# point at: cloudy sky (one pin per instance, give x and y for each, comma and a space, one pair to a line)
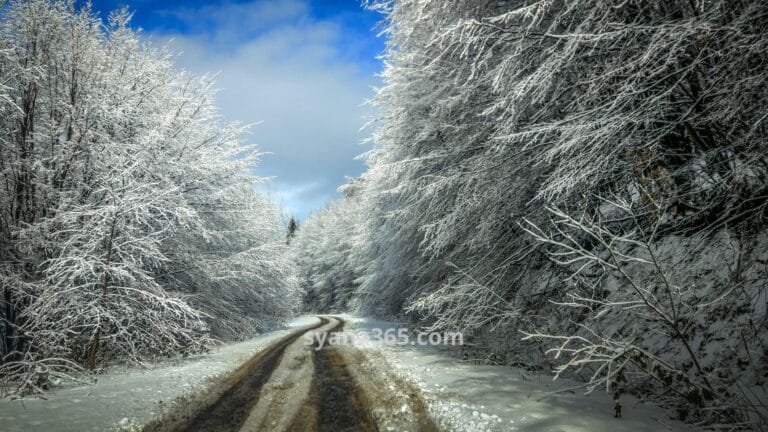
301, 68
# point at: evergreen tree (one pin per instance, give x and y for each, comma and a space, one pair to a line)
293, 226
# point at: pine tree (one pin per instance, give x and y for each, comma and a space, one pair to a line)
293, 226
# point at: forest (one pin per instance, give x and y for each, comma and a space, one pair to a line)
577, 186
129, 224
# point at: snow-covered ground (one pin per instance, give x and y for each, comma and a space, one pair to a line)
470, 397
460, 396
124, 397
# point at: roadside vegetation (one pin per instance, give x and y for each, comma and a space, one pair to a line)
129, 224
577, 186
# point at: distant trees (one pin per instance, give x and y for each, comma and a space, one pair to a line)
494, 111
128, 220
330, 254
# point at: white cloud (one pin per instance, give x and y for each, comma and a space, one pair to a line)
228, 22
291, 77
311, 195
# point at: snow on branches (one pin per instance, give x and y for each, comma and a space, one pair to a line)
493, 113
130, 228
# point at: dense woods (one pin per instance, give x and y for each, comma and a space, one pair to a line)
579, 186
129, 224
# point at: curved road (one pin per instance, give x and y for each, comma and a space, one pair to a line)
289, 386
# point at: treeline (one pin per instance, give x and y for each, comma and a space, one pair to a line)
582, 178
129, 224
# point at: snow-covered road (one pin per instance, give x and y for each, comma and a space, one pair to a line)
372, 386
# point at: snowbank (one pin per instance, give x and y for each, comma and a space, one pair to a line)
469, 397
126, 397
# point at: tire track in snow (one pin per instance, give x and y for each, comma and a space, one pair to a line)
341, 405
229, 411
265, 393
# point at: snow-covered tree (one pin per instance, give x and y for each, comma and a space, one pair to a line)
330, 253
130, 227
645, 324
492, 111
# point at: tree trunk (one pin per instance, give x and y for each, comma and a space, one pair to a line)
93, 349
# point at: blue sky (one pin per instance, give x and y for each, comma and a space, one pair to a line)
301, 68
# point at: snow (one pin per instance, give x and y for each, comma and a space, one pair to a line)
302, 321
460, 396
125, 397
471, 397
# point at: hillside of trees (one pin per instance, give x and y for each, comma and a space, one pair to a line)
129, 224
579, 186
